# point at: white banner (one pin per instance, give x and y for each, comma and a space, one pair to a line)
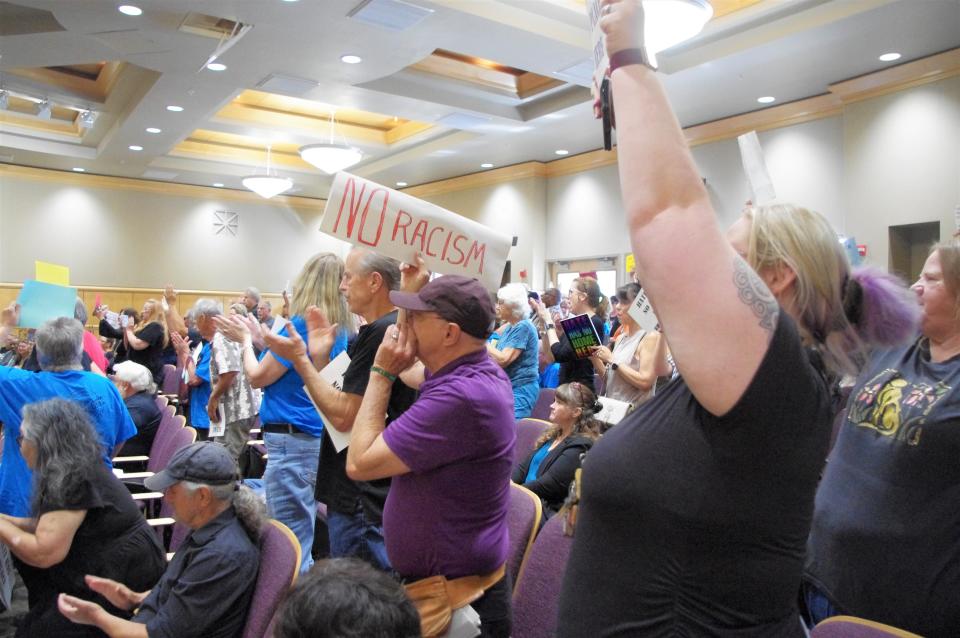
642, 313
398, 225
756, 169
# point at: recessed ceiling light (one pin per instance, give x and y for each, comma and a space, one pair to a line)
351, 59
889, 57
486, 165
218, 185
217, 66
135, 147
77, 169
154, 130
766, 99
561, 151
174, 108
290, 0
129, 9
401, 184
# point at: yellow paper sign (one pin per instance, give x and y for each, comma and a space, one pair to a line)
629, 263
52, 273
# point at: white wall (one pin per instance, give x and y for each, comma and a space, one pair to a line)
139, 239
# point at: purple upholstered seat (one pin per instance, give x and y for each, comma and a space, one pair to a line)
523, 521
528, 431
279, 565
851, 627
541, 409
171, 380
536, 595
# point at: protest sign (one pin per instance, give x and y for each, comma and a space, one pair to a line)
332, 373
756, 169
642, 313
398, 225
41, 302
582, 335
52, 273
613, 410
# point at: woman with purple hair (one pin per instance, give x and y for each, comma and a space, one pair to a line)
885, 542
695, 509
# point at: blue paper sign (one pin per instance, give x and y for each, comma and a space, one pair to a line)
40, 302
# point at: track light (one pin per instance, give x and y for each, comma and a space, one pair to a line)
43, 109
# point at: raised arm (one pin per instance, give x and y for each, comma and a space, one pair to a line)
718, 314
175, 322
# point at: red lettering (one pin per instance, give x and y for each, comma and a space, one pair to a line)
421, 230
443, 255
397, 226
476, 253
355, 202
430, 239
383, 213
456, 247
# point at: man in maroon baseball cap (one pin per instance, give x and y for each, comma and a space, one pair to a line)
451, 452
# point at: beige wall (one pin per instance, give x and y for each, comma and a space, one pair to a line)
894, 159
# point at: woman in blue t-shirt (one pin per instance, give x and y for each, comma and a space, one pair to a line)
517, 349
291, 424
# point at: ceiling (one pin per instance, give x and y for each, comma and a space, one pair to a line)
468, 82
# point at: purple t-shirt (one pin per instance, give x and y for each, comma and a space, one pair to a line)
448, 515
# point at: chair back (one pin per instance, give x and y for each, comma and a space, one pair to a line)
162, 402
162, 448
541, 409
523, 521
279, 565
170, 380
536, 596
852, 627
528, 431
183, 437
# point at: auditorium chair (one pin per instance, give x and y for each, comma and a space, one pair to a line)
851, 627
279, 565
536, 595
528, 431
541, 409
523, 521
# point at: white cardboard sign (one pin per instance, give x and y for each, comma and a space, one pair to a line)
398, 225
756, 169
333, 373
642, 313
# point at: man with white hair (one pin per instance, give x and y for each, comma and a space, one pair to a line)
250, 299
59, 345
207, 587
137, 388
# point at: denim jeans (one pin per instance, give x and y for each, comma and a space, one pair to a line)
290, 480
352, 535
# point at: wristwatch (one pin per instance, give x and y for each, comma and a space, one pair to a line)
614, 366
551, 326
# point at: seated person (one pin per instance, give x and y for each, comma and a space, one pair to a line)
207, 587
549, 469
82, 520
346, 597
137, 388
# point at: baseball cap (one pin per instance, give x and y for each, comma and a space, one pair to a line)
458, 299
206, 462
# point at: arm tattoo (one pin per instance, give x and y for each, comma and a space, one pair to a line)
754, 293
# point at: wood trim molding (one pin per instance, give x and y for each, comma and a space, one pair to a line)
148, 186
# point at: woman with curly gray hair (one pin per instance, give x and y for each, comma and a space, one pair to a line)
83, 520
517, 350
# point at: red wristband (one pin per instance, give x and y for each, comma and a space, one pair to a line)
626, 57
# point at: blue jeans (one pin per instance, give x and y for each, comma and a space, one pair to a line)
289, 481
352, 535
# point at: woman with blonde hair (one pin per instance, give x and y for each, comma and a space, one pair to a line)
518, 348
144, 338
290, 423
698, 504
586, 298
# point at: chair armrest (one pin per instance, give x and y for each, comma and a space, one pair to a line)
147, 496
135, 475
160, 522
130, 459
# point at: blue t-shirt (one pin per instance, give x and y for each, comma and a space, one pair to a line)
536, 461
523, 337
19, 387
200, 394
284, 400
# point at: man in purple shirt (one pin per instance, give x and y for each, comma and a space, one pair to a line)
451, 452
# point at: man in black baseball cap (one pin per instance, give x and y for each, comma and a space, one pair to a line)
206, 588
451, 452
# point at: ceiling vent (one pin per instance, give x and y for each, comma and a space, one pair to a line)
17, 19
394, 15
209, 26
286, 85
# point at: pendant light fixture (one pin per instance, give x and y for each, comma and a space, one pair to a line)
670, 22
331, 157
268, 184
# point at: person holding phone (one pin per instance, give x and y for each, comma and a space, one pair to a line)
585, 298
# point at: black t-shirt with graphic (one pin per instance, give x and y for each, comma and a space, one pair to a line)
334, 487
885, 542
